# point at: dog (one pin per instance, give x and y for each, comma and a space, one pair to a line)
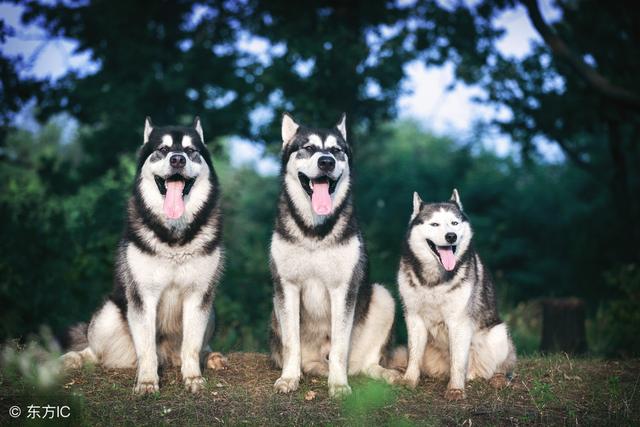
168, 264
449, 302
327, 320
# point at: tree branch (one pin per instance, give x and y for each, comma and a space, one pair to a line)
590, 74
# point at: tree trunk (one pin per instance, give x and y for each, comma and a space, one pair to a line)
563, 326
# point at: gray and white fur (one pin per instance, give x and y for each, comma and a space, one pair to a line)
449, 302
167, 267
327, 318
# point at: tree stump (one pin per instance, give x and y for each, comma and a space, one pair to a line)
563, 326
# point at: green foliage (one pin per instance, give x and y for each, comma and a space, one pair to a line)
59, 245
366, 400
244, 300
239, 64
614, 330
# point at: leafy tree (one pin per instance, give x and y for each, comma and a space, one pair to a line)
153, 58
334, 57
576, 88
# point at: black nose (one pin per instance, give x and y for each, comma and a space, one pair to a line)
326, 163
177, 161
451, 237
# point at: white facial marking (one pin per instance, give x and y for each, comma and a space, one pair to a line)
331, 141
167, 140
186, 141
315, 140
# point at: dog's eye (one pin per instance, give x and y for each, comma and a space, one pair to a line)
309, 148
164, 149
454, 222
335, 150
189, 151
434, 224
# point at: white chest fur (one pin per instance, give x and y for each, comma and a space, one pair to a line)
446, 302
315, 268
155, 273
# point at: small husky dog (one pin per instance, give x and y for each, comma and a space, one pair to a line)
449, 302
168, 264
327, 318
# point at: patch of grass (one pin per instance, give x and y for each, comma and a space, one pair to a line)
553, 390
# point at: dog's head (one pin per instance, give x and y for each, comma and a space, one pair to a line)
439, 232
174, 169
315, 165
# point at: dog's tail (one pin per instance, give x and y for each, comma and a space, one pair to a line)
78, 339
398, 359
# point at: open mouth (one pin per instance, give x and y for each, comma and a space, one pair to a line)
320, 190
308, 184
174, 189
162, 183
445, 254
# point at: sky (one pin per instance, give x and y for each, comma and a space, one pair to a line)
428, 101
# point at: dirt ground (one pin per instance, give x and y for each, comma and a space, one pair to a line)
553, 390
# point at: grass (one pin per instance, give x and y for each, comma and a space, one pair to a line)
552, 390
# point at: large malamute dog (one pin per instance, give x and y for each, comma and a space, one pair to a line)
327, 318
168, 264
449, 302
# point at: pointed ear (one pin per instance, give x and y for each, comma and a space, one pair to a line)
289, 128
417, 204
198, 127
455, 198
148, 127
342, 126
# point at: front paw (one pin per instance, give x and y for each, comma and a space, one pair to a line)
391, 376
339, 390
194, 384
146, 387
410, 381
453, 394
499, 381
216, 361
286, 385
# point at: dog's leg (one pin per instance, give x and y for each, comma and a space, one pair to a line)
370, 337
341, 324
287, 305
195, 316
460, 333
417, 331
142, 323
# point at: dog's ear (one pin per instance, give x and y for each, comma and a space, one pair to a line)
198, 127
342, 126
417, 205
289, 128
148, 127
455, 198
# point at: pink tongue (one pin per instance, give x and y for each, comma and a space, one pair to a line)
447, 256
321, 200
173, 203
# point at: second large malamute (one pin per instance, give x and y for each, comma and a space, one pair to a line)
449, 302
327, 318
167, 267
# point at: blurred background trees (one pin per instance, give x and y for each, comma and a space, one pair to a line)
567, 227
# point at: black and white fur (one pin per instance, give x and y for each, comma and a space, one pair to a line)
452, 319
166, 269
327, 318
